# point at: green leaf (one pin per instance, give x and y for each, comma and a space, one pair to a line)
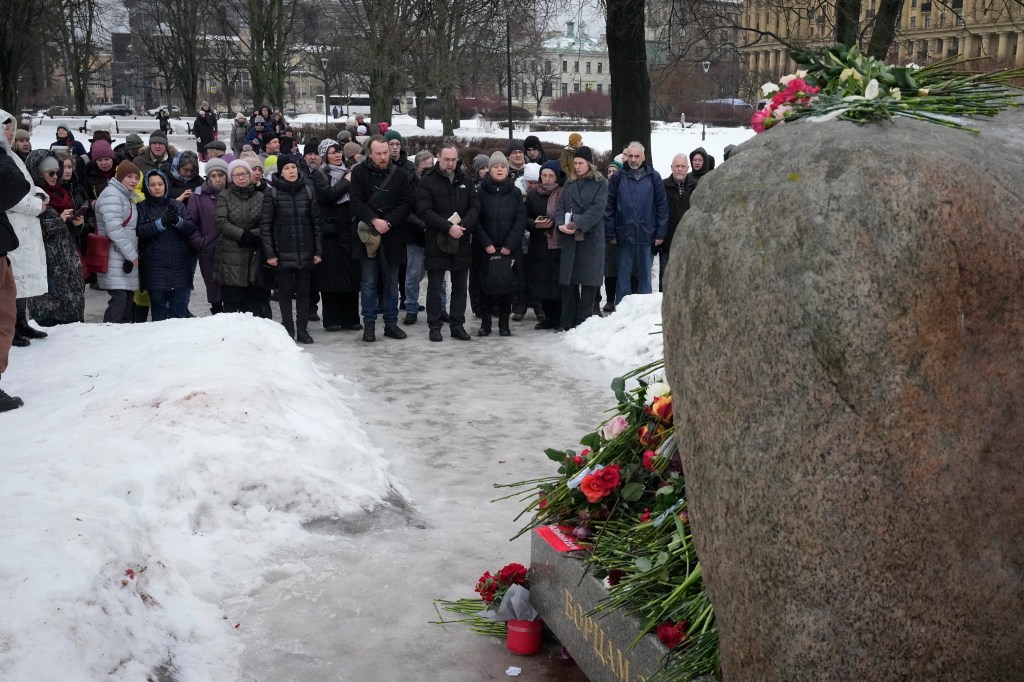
619, 389
642, 563
631, 492
591, 440
554, 455
665, 494
662, 559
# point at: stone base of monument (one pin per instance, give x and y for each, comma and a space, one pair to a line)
564, 593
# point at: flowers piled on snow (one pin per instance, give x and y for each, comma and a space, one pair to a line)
842, 83
492, 588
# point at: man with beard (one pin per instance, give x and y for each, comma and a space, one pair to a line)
677, 191
636, 219
450, 208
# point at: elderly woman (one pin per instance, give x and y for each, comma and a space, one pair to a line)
238, 214
116, 218
338, 273
61, 223
580, 220
201, 210
164, 231
544, 260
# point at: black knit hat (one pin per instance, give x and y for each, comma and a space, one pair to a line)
584, 153
513, 146
532, 142
311, 147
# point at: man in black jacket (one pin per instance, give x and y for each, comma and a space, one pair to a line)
382, 199
450, 208
13, 188
677, 191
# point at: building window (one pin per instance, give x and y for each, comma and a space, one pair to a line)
588, 67
575, 67
927, 21
547, 66
913, 3
565, 66
599, 65
599, 88
913, 22
565, 89
575, 87
942, 19
547, 89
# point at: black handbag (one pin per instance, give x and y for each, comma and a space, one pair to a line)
500, 276
261, 275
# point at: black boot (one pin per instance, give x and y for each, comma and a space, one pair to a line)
28, 331
218, 308
9, 402
370, 332
393, 331
303, 336
503, 329
19, 341
461, 334
485, 325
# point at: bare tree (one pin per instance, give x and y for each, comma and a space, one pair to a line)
177, 44
22, 29
80, 46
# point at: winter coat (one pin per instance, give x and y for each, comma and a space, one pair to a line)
165, 257
254, 138
96, 180
202, 128
238, 211
29, 260
394, 204
582, 262
437, 198
678, 195
339, 271
290, 227
637, 210
164, 120
64, 301
13, 188
180, 183
74, 147
502, 217
542, 263
117, 218
145, 161
202, 208
565, 161
239, 132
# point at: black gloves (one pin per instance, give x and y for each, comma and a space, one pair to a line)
128, 266
249, 239
170, 217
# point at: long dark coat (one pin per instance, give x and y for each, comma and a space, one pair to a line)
237, 211
582, 262
542, 263
502, 216
201, 209
165, 256
437, 198
290, 227
339, 271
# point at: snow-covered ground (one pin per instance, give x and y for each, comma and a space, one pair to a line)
627, 339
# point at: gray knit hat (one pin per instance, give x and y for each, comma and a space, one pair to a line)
216, 165
480, 161
157, 136
497, 159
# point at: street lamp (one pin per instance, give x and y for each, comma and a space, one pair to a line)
704, 100
327, 117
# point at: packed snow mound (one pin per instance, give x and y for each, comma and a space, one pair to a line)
626, 339
155, 473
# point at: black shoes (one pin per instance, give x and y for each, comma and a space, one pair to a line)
435, 335
393, 331
369, 332
518, 317
461, 334
609, 307
19, 341
333, 328
485, 326
503, 329
410, 318
303, 337
29, 332
9, 402
354, 327
546, 324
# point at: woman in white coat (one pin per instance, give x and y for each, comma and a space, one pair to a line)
28, 261
117, 218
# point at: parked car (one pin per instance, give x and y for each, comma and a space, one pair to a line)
58, 110
290, 111
112, 109
173, 110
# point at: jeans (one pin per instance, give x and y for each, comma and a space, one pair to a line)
169, 303
436, 302
118, 305
373, 270
636, 260
289, 282
414, 271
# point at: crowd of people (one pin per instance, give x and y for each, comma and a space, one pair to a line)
342, 230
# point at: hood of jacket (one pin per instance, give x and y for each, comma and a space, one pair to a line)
34, 160
145, 188
180, 158
709, 163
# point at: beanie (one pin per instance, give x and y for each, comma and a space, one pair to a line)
584, 153
344, 136
49, 163
258, 120
240, 117
216, 165
126, 168
479, 162
270, 164
515, 146
284, 160
22, 134
554, 166
101, 150
616, 164
251, 158
532, 142
157, 136
575, 140
531, 172
311, 147
361, 130
393, 135
133, 141
235, 165
351, 149
325, 146
497, 159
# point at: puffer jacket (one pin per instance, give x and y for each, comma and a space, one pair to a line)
165, 256
238, 211
29, 260
502, 216
12, 188
239, 131
290, 227
117, 218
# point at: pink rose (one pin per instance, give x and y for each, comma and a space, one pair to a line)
614, 427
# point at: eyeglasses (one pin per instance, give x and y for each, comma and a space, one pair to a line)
240, 174
50, 173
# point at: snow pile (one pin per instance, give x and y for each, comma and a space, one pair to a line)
626, 339
156, 472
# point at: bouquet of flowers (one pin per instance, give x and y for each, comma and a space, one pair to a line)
842, 83
507, 594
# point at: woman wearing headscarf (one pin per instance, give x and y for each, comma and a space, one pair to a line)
64, 302
580, 220
338, 273
544, 261
116, 218
67, 142
164, 231
28, 261
238, 214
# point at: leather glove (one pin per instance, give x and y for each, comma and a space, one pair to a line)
170, 217
249, 239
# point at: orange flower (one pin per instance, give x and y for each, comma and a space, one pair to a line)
662, 407
599, 484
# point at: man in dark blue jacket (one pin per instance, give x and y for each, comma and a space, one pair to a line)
636, 219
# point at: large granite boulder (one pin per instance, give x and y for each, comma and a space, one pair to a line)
844, 335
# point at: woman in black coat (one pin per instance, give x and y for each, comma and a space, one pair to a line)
502, 223
544, 261
203, 129
165, 257
338, 273
292, 237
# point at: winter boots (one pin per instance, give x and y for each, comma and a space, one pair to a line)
485, 325
503, 329
393, 331
370, 332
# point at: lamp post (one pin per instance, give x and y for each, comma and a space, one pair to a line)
508, 56
704, 100
327, 116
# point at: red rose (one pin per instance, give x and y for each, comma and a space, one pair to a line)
662, 407
671, 635
646, 516
513, 574
586, 451
649, 460
599, 484
615, 575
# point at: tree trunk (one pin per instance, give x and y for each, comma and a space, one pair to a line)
884, 32
421, 114
848, 21
627, 65
449, 111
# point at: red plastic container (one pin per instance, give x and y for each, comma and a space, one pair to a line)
524, 636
